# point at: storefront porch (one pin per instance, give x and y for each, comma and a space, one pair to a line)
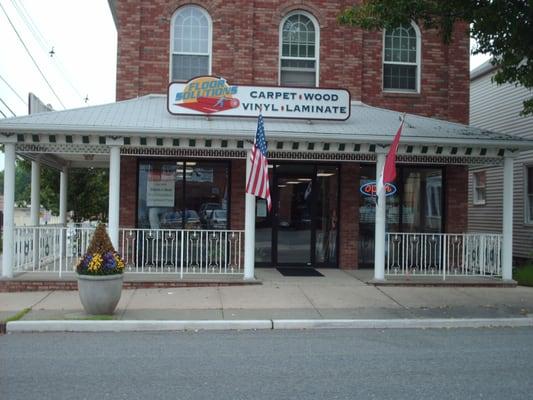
139, 137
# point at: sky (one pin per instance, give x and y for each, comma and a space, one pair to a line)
84, 42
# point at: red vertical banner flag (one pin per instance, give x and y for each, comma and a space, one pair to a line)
388, 174
258, 184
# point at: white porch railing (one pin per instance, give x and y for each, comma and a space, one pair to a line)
49, 248
57, 249
182, 251
444, 254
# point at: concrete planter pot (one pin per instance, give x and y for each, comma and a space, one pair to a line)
100, 294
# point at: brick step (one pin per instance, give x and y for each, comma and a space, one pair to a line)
43, 285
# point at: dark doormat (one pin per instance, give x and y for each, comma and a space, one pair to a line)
299, 272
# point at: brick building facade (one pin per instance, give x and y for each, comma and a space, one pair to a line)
177, 151
246, 50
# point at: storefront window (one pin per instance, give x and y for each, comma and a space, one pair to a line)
416, 206
422, 200
183, 195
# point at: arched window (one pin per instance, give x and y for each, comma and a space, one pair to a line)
299, 45
190, 43
401, 59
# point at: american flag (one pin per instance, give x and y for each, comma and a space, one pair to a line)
258, 178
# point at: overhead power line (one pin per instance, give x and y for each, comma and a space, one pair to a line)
26, 18
13, 90
6, 106
30, 55
3, 114
45, 46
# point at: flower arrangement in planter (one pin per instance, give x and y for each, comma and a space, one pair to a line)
100, 273
100, 258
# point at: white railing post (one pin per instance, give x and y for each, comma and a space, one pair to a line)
444, 250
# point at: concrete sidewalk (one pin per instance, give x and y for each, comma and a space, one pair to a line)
337, 295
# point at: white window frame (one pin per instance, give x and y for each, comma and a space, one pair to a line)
476, 200
317, 44
209, 38
418, 63
528, 198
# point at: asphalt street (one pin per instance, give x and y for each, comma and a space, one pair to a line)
315, 364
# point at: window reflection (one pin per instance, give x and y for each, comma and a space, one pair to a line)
416, 206
183, 195
422, 200
326, 215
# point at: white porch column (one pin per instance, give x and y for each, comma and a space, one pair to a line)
35, 207
9, 208
63, 188
114, 194
507, 250
379, 238
35, 192
249, 228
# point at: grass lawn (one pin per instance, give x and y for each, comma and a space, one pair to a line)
524, 275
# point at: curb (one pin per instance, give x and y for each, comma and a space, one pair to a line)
135, 326
161, 326
436, 323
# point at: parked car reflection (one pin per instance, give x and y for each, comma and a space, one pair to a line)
217, 219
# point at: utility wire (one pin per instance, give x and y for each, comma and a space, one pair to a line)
3, 114
10, 110
13, 90
39, 38
29, 54
25, 16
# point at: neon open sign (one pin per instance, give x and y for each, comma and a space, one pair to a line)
370, 189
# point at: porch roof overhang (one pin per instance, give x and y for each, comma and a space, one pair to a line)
145, 121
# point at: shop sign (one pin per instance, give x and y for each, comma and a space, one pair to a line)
160, 187
210, 95
370, 189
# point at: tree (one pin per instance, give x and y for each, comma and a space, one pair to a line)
502, 28
87, 190
88, 193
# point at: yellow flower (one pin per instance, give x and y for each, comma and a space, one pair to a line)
120, 262
96, 263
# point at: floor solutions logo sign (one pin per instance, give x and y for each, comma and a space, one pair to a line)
209, 95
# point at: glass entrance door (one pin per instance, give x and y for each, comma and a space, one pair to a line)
294, 211
302, 228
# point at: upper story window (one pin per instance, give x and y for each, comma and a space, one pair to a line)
190, 43
480, 187
529, 194
401, 59
299, 42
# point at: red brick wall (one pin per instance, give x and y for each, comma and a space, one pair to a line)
456, 199
238, 172
128, 191
349, 216
444, 80
246, 51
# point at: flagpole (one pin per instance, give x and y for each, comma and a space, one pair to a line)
249, 226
